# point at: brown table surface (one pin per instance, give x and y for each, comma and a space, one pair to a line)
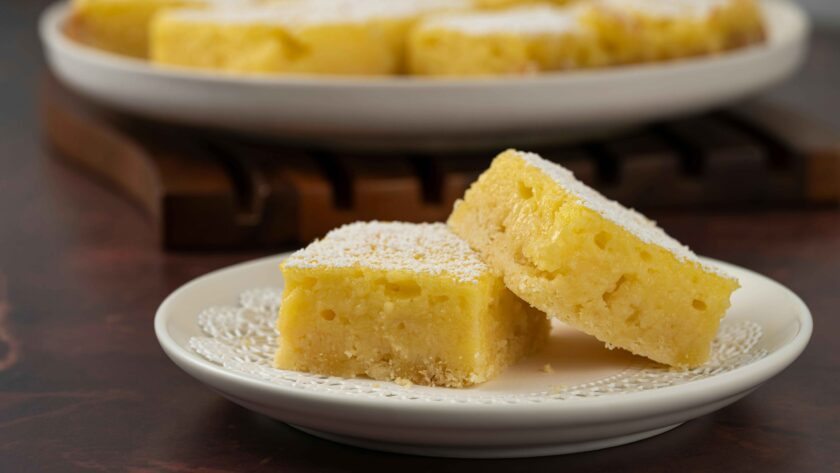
84, 385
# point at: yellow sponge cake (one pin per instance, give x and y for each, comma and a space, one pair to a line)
351, 37
602, 268
401, 301
119, 26
655, 30
521, 40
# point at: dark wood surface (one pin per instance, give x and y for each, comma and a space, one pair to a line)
85, 387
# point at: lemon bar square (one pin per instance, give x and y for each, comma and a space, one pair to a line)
597, 266
348, 37
656, 30
521, 40
119, 26
400, 301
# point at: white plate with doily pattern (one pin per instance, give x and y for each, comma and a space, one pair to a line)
419, 112
574, 396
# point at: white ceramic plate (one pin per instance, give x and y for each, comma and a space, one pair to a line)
592, 398
503, 111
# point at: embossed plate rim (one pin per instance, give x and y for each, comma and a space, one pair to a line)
474, 430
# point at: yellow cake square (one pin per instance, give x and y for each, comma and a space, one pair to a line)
655, 30
521, 40
351, 37
401, 301
119, 26
602, 268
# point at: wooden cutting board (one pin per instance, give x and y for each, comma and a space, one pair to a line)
208, 189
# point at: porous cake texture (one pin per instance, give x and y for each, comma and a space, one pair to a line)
400, 301
600, 267
351, 37
634, 31
521, 40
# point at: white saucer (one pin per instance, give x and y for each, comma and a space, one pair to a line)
591, 398
498, 112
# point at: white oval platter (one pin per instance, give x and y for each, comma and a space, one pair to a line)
590, 398
383, 111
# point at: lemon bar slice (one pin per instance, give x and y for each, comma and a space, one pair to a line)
656, 30
353, 37
119, 26
521, 40
600, 267
400, 301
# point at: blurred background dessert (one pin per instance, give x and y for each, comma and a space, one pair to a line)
450, 37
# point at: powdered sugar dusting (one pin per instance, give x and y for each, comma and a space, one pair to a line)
632, 221
393, 246
667, 8
539, 19
307, 12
